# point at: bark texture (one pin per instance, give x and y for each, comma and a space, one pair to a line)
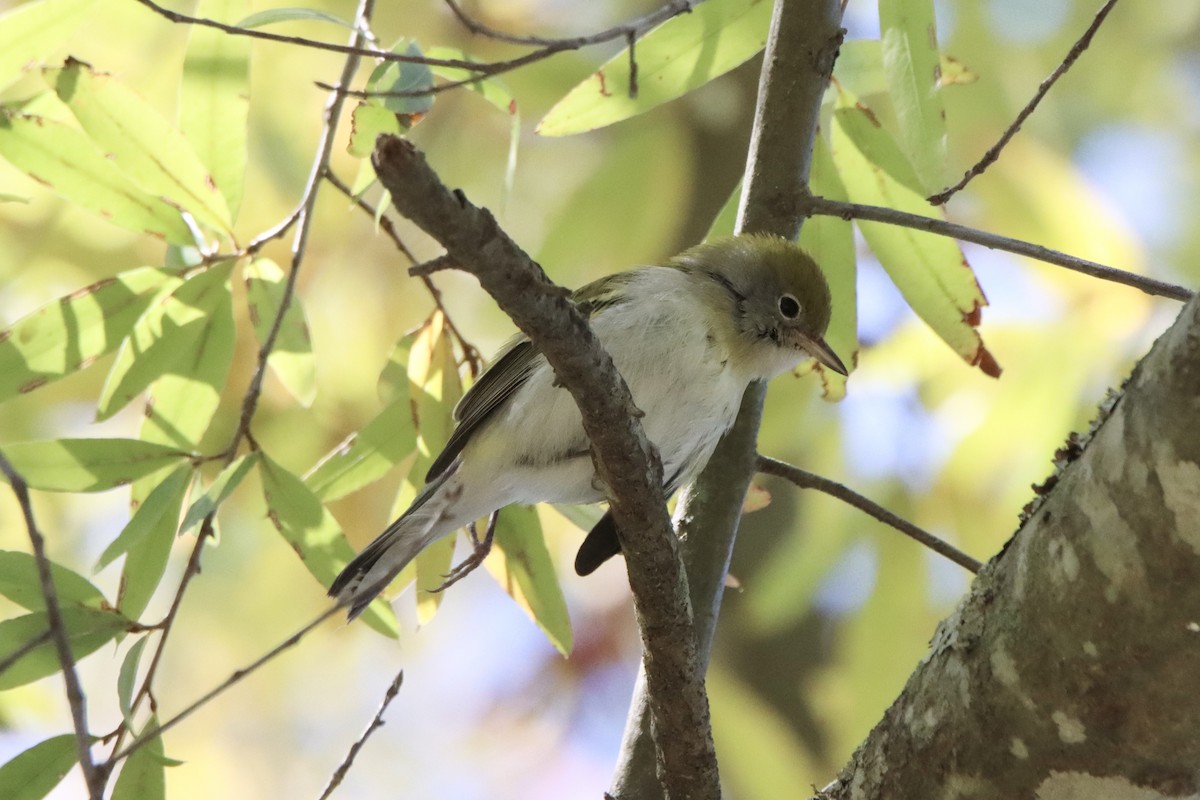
1070, 671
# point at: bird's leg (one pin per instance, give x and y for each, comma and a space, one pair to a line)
482, 548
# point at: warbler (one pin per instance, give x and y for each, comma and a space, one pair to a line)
688, 337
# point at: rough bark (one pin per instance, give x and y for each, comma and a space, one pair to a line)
1071, 668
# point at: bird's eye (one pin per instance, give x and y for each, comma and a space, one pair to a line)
789, 306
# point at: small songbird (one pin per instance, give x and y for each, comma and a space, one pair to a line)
688, 337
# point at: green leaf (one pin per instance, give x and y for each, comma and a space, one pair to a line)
73, 331
911, 62
34, 773
314, 534
30, 32
66, 160
214, 98
87, 465
292, 357
142, 142
367, 123
272, 16
147, 538
930, 271
368, 455
170, 336
5, 197
403, 76
20, 582
393, 378
142, 775
127, 680
859, 68
682, 54
521, 564
830, 241
87, 629
220, 489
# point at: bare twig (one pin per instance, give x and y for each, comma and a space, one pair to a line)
235, 678
58, 633
808, 480
434, 265
339, 774
993, 152
471, 354
820, 205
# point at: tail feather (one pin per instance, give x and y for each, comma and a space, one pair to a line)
370, 572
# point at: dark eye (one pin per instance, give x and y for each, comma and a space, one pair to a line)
789, 306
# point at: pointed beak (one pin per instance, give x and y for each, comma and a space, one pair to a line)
816, 347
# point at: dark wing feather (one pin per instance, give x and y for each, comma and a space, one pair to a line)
507, 373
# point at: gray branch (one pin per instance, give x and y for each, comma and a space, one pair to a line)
1070, 669
624, 459
801, 48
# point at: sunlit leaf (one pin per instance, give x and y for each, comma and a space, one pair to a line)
314, 534
169, 337
830, 241
368, 455
393, 378
930, 271
146, 539
21, 583
5, 197
292, 357
87, 465
222, 486
73, 331
141, 142
366, 124
214, 97
30, 32
87, 630
912, 64
127, 679
859, 68
273, 16
678, 56
142, 775
66, 160
521, 564
955, 73
34, 773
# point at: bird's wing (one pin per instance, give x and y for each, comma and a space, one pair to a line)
512, 367
515, 362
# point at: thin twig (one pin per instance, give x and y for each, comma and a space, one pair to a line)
25, 649
471, 354
339, 774
808, 480
434, 265
58, 632
820, 205
235, 678
546, 47
993, 152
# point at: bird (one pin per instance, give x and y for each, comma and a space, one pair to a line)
688, 336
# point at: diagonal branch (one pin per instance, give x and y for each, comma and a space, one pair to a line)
993, 152
625, 462
376, 722
812, 205
58, 633
808, 480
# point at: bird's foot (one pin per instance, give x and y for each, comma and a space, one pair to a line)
470, 563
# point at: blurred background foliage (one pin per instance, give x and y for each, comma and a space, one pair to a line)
832, 610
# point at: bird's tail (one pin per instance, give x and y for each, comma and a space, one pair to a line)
380, 562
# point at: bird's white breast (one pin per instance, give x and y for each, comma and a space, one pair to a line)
676, 370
